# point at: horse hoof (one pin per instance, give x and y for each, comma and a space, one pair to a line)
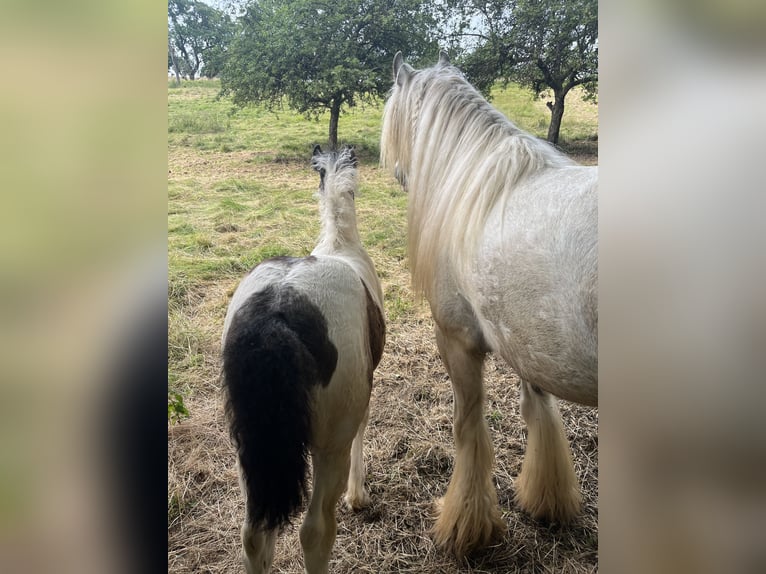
560, 509
461, 534
357, 501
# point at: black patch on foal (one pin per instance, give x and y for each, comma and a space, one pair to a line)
376, 326
276, 350
277, 307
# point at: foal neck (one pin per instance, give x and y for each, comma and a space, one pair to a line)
338, 218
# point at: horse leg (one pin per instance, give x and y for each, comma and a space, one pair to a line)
318, 530
356, 495
469, 515
257, 542
257, 547
547, 486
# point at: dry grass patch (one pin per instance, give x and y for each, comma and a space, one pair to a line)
409, 454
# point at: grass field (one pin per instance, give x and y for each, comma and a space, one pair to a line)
239, 190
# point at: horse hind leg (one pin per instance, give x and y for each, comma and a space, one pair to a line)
317, 533
547, 486
257, 542
356, 495
468, 515
257, 547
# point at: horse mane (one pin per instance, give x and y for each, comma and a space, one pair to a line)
457, 156
339, 234
337, 188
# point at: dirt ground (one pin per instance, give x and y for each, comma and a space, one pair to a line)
409, 456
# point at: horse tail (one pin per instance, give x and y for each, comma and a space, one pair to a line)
276, 349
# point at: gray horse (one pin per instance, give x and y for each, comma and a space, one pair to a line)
502, 240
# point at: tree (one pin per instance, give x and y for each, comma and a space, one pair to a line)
321, 56
198, 37
173, 61
542, 44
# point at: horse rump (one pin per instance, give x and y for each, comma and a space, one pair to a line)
275, 350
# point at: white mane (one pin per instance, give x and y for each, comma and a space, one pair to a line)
457, 156
339, 181
339, 234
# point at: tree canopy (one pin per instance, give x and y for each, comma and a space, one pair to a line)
539, 43
320, 55
198, 36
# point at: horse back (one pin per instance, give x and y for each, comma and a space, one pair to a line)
326, 282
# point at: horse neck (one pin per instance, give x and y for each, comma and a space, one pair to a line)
338, 231
464, 158
484, 128
339, 238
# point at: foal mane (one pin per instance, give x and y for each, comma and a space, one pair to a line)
339, 235
338, 182
457, 156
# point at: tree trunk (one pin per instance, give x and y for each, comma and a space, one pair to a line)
190, 69
195, 69
557, 112
334, 115
172, 53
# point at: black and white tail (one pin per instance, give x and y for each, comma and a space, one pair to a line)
276, 349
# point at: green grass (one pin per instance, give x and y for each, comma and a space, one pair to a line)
240, 190
202, 123
192, 84
530, 113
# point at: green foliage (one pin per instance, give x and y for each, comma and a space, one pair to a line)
541, 44
321, 57
556, 43
198, 37
177, 411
